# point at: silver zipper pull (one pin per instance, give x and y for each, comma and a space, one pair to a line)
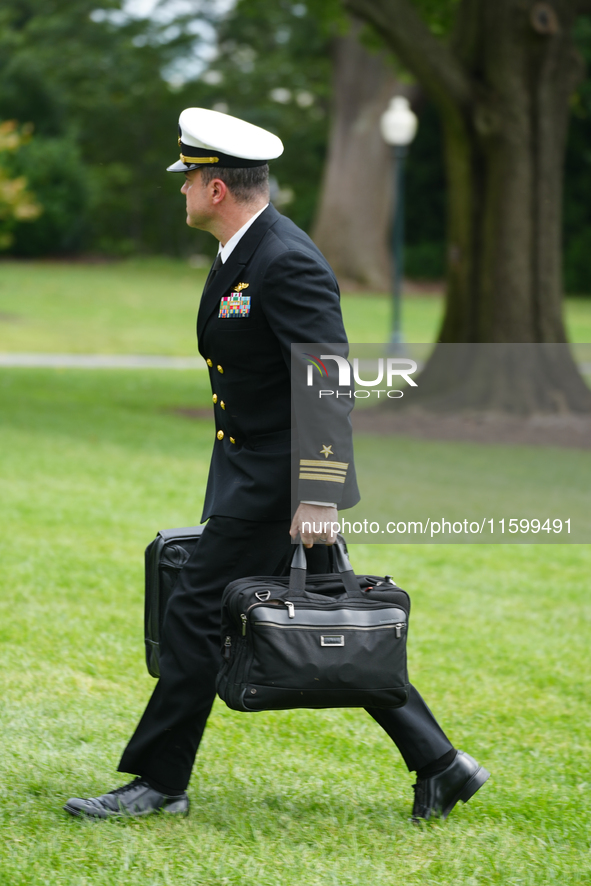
399, 628
243, 620
290, 608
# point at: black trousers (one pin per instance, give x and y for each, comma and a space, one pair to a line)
165, 743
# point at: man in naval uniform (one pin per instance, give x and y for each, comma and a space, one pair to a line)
269, 286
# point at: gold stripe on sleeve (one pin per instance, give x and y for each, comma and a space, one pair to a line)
307, 462
321, 472
326, 478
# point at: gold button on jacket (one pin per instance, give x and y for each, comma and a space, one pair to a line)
215, 398
220, 368
232, 440
209, 362
222, 404
220, 435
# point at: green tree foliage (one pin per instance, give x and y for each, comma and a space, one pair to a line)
105, 120
17, 203
273, 68
92, 82
55, 171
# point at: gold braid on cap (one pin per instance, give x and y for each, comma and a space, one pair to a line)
186, 159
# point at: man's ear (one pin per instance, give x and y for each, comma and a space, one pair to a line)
219, 190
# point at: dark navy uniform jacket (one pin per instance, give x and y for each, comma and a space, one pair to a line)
275, 288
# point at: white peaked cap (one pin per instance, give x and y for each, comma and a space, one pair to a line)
209, 138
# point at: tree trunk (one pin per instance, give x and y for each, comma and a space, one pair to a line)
352, 222
502, 88
505, 154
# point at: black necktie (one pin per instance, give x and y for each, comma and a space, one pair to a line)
214, 269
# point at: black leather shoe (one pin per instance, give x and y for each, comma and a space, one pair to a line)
436, 797
134, 799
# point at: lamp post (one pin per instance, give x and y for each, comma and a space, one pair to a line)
399, 126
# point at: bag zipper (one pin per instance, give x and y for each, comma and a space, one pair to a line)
399, 627
244, 616
358, 605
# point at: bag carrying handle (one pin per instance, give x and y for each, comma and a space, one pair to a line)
297, 573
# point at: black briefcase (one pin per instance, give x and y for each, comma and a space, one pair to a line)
314, 641
165, 557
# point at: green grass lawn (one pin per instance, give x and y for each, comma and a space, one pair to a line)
149, 307
92, 464
402, 479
